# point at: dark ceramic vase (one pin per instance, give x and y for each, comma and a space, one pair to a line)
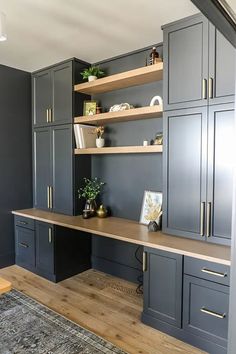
91, 206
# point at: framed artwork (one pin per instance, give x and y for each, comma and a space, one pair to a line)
89, 108
151, 207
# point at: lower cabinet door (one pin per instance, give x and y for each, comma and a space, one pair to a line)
25, 247
44, 247
163, 286
205, 309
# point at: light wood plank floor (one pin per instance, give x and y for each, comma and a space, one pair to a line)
106, 305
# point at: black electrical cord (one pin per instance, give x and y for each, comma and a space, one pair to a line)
139, 289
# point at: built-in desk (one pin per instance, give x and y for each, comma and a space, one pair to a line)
133, 232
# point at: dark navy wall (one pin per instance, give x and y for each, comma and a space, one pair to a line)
126, 176
15, 154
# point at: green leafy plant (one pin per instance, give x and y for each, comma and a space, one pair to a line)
92, 71
91, 189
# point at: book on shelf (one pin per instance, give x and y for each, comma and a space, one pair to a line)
85, 136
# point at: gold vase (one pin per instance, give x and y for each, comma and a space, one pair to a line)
101, 211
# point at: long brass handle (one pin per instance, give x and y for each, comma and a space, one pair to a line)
50, 115
202, 213
208, 226
50, 235
212, 272
204, 89
22, 244
212, 313
48, 197
210, 87
47, 111
51, 197
144, 261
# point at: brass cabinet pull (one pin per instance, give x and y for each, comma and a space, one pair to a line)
50, 235
212, 313
208, 226
210, 87
48, 197
212, 272
51, 197
22, 244
47, 115
50, 115
202, 213
204, 89
23, 222
144, 261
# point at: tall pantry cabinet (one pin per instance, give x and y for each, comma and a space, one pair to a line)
56, 171
198, 123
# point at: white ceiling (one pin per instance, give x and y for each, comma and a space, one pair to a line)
43, 32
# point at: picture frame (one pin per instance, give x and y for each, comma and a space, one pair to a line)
152, 202
89, 108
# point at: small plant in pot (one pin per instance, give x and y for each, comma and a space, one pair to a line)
92, 73
100, 142
90, 191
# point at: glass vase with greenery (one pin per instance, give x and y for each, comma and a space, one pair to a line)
90, 191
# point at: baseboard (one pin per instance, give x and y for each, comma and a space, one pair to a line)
182, 335
7, 260
116, 269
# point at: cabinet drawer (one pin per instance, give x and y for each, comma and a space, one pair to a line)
25, 247
219, 273
24, 222
205, 309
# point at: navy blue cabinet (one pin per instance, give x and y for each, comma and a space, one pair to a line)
50, 251
162, 286
199, 64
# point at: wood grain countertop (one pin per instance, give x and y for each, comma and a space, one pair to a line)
133, 232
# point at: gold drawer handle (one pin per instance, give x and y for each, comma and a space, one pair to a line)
23, 245
23, 222
212, 272
212, 313
144, 261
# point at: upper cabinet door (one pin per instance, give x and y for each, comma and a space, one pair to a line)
186, 63
185, 133
42, 167
62, 94
62, 167
42, 98
220, 173
222, 58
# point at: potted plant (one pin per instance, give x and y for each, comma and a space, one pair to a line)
92, 73
100, 141
90, 191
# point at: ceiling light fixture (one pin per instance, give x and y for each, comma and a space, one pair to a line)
3, 33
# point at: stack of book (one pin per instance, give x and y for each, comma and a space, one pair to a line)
85, 136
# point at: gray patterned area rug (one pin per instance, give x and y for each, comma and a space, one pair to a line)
27, 327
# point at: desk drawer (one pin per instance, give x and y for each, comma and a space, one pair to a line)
218, 273
205, 309
24, 222
25, 247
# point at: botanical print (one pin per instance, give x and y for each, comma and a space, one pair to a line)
152, 207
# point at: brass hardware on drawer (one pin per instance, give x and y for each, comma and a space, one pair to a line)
144, 261
202, 212
23, 245
23, 222
48, 197
208, 226
50, 235
212, 272
204, 89
210, 87
212, 313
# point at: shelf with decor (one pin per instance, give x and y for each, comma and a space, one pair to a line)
122, 80
121, 116
120, 150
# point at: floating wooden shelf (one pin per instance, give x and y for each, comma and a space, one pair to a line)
121, 116
130, 78
120, 150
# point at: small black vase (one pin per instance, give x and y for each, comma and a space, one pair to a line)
91, 206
